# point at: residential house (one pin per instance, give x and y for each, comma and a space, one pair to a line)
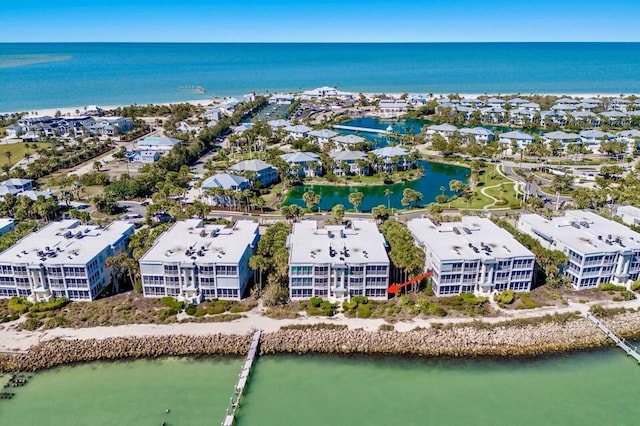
629, 215
393, 158
631, 138
193, 261
298, 131
591, 139
350, 162
259, 170
139, 156
444, 130
336, 262
225, 181
599, 250
520, 138
7, 224
479, 134
392, 107
322, 136
473, 255
63, 259
303, 164
157, 143
347, 141
562, 137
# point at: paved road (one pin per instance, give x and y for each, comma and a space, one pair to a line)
533, 188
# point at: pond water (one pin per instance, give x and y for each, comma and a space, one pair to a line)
436, 175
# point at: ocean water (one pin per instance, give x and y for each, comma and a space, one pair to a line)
597, 388
49, 75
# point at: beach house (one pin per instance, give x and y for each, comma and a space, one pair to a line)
337, 261
349, 162
392, 107
257, 170
393, 158
347, 141
157, 143
521, 139
7, 224
479, 134
303, 164
193, 261
599, 250
322, 136
473, 255
63, 259
298, 131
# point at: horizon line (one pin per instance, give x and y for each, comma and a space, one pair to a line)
321, 42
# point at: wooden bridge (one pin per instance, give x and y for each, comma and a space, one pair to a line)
360, 129
234, 401
621, 343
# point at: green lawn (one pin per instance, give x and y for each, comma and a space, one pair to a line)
12, 153
488, 178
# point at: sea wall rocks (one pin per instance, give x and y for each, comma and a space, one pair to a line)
472, 340
60, 351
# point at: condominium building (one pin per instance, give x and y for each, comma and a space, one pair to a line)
599, 250
63, 259
629, 214
472, 256
193, 261
337, 261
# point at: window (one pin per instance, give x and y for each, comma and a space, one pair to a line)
355, 292
8, 292
170, 269
356, 282
22, 282
321, 282
207, 281
520, 286
229, 292
301, 281
321, 270
153, 291
6, 270
377, 282
207, 270
152, 280
56, 283
59, 293
78, 294
502, 286
356, 270
448, 289
301, 293
375, 292
24, 293
73, 271
301, 270
321, 292
226, 270
469, 278
376, 269
172, 281
19, 270
173, 291
468, 288
208, 293
7, 281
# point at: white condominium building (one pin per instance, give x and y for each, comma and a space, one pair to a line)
337, 261
63, 259
193, 261
473, 256
599, 250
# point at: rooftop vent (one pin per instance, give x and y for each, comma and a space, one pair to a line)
203, 233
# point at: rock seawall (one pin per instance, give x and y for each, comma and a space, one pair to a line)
472, 340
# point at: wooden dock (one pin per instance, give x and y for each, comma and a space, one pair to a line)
234, 401
359, 129
621, 343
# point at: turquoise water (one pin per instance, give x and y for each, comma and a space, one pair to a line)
435, 176
596, 388
47, 75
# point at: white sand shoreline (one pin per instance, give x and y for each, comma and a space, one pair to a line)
209, 102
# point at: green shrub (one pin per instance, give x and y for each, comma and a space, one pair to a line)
315, 301
501, 202
611, 287
437, 310
360, 300
527, 302
200, 312
51, 305
19, 305
170, 302
190, 309
347, 306
635, 286
627, 295
239, 308
596, 310
505, 297
515, 205
364, 311
31, 324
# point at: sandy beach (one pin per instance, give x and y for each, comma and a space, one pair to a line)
12, 340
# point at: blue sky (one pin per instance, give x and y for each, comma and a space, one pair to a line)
319, 20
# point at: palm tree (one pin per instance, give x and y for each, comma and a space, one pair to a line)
387, 193
8, 154
356, 199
